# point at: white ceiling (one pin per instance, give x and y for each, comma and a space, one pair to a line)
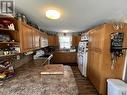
77, 15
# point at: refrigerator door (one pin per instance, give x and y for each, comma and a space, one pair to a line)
82, 57
80, 64
85, 64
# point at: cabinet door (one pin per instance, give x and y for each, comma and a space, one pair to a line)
43, 40
59, 57
56, 41
53, 40
73, 40
26, 38
76, 40
36, 39
91, 39
50, 40
94, 71
96, 38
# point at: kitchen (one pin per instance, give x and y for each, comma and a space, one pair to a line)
57, 49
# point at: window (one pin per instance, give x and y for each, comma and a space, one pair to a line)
65, 42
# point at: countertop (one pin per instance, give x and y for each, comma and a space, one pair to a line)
65, 51
29, 81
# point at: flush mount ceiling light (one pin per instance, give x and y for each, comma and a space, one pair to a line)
65, 31
52, 14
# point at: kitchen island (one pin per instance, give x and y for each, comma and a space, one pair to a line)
29, 81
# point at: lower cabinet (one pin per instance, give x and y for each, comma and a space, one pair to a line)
99, 69
95, 61
64, 57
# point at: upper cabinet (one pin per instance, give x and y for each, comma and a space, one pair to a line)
9, 36
75, 40
53, 41
26, 37
36, 39
43, 39
32, 38
8, 30
96, 37
19, 36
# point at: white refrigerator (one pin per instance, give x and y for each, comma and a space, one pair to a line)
82, 56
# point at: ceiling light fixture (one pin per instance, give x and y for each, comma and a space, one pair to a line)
65, 31
52, 14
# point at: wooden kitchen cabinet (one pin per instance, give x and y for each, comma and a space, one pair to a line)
53, 40
36, 39
76, 40
94, 69
8, 37
96, 36
43, 39
64, 57
30, 38
99, 57
56, 40
40, 39
26, 37
50, 40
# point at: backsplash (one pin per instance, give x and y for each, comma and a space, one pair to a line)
24, 59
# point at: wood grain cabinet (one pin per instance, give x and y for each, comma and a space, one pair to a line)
26, 36
60, 56
97, 38
99, 57
30, 38
75, 40
53, 40
36, 39
9, 36
43, 39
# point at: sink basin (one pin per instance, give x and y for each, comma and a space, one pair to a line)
47, 58
46, 55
